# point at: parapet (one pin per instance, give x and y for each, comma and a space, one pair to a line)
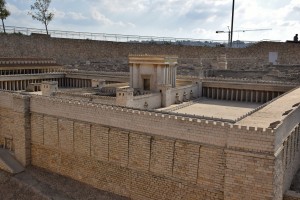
157, 115
152, 59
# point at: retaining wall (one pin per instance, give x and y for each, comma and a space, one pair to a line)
112, 56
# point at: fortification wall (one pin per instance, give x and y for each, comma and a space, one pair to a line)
15, 125
152, 151
112, 56
140, 166
148, 155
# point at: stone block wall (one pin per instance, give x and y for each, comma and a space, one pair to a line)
15, 125
156, 157
112, 56
196, 159
129, 163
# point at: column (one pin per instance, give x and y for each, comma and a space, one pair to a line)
242, 95
227, 94
174, 75
256, 100
222, 94
237, 95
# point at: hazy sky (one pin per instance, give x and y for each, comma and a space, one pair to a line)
197, 19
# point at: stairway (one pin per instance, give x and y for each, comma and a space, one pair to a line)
9, 163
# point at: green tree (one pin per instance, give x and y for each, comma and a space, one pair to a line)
4, 13
41, 13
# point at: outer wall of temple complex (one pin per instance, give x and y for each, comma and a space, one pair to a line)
112, 56
101, 146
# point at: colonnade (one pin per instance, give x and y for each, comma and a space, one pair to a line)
254, 96
28, 71
62, 82
170, 75
76, 83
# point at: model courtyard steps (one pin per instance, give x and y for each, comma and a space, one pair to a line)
9, 163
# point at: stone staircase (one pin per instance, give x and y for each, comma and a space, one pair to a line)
9, 163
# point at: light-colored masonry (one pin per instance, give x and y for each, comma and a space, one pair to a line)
150, 155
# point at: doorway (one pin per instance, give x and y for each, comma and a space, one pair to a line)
146, 84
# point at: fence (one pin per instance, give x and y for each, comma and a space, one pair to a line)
126, 38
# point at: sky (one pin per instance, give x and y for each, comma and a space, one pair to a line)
198, 19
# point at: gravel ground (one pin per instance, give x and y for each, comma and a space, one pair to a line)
38, 184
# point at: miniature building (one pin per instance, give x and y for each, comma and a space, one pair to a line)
147, 72
49, 87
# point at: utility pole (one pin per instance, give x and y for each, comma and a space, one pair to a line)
232, 17
245, 30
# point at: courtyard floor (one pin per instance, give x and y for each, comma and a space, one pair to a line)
217, 108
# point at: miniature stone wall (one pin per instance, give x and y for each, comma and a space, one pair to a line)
15, 124
159, 156
128, 150
185, 93
87, 97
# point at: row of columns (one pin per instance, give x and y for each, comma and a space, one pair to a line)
291, 147
170, 75
254, 96
65, 82
77, 83
28, 71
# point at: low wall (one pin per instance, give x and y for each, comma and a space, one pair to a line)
153, 101
190, 91
91, 98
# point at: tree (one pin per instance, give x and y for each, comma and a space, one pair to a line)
41, 12
4, 13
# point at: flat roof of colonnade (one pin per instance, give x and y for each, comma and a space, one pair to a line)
272, 112
240, 113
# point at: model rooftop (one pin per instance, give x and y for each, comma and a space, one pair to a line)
275, 111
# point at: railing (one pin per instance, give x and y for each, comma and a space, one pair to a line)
126, 38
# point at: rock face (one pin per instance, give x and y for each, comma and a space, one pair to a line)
112, 56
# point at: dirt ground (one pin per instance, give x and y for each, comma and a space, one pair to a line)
38, 184
295, 186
